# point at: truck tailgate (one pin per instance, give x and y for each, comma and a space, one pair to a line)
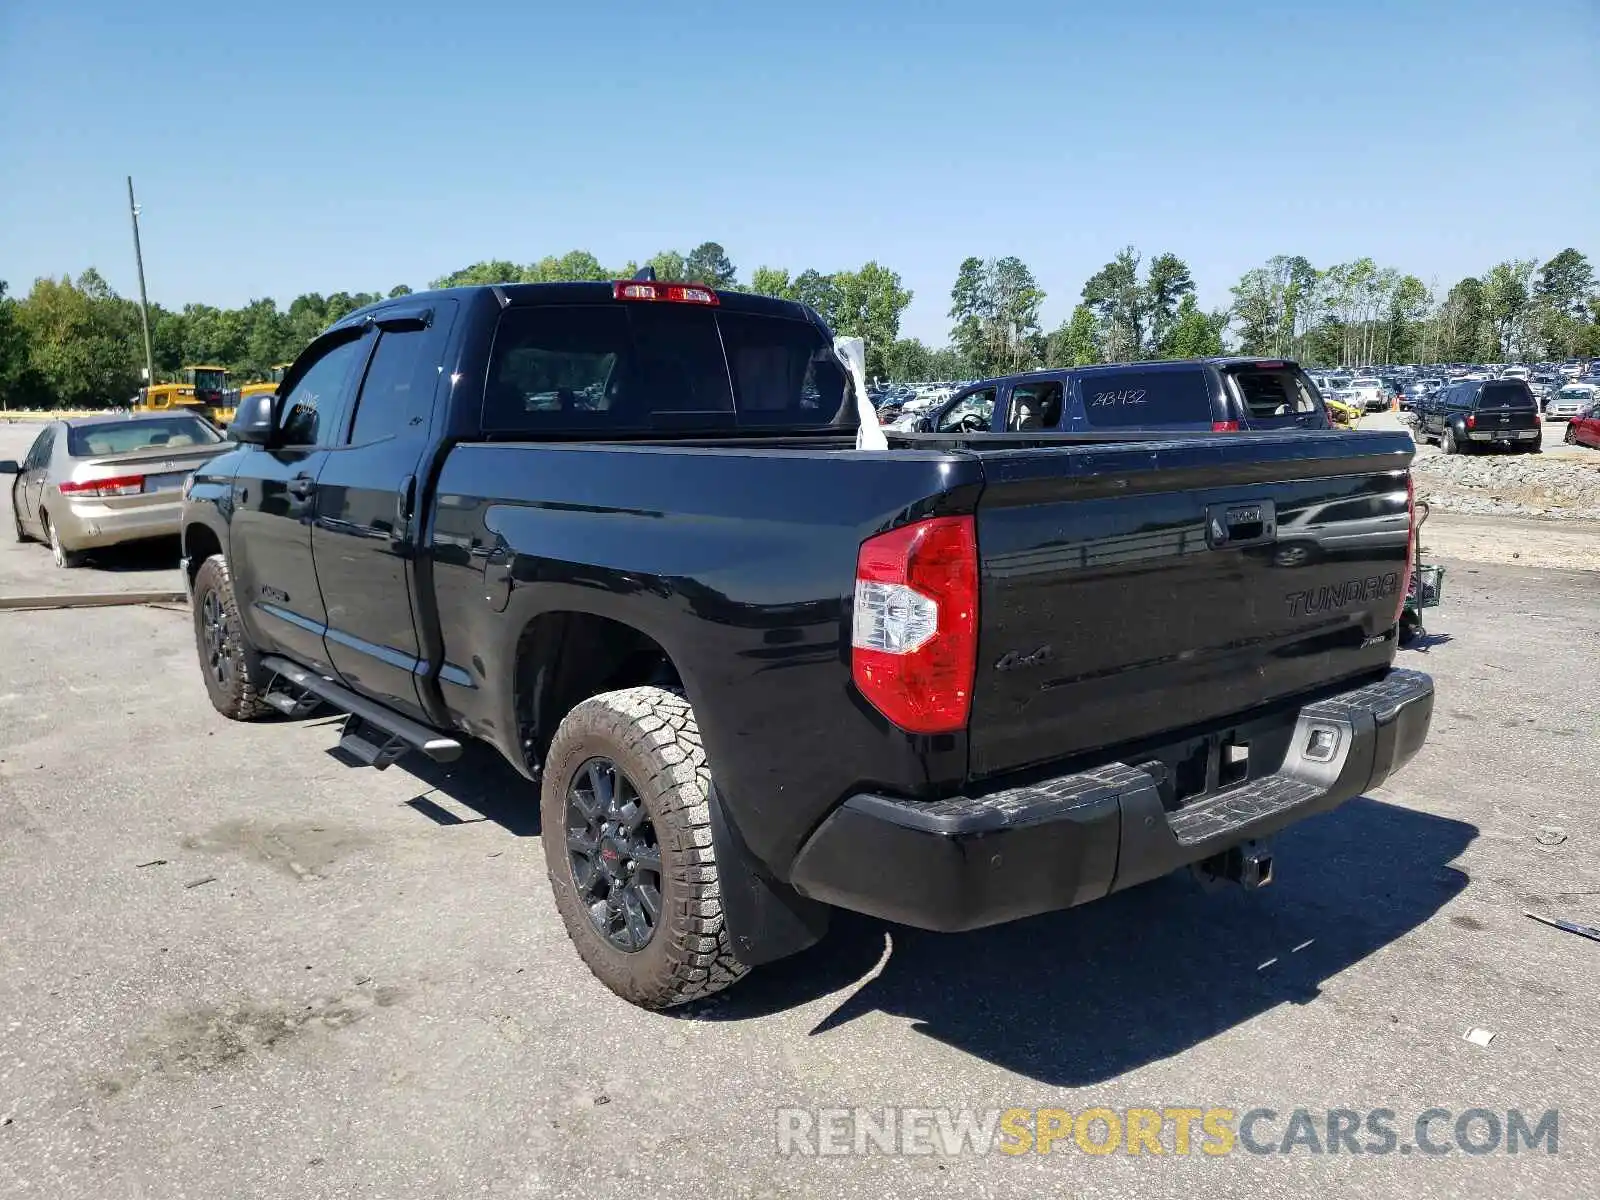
1134, 589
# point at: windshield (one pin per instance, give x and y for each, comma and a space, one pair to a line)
644, 367
118, 437
209, 380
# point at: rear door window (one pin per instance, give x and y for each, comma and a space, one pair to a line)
392, 396
1034, 406
1276, 397
1153, 398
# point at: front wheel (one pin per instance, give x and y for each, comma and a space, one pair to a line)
626, 825
234, 676
1570, 439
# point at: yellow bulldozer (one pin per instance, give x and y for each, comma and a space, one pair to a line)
202, 390
264, 387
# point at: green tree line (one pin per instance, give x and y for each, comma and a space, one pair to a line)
76, 343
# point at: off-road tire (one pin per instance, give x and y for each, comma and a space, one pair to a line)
237, 695
1447, 441
650, 734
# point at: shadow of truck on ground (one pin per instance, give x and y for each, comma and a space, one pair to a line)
1082, 996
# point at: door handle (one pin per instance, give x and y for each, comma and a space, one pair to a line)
301, 487
1242, 523
404, 501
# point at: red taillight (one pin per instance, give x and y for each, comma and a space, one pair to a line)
1224, 427
914, 626
1472, 421
121, 485
1411, 546
672, 293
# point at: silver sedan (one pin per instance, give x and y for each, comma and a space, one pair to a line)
1571, 401
90, 482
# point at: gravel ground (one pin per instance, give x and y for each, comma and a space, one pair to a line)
231, 966
1562, 483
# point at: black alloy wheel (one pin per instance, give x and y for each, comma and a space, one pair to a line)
614, 854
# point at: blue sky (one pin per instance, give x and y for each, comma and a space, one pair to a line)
287, 147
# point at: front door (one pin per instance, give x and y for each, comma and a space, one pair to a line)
367, 498
28, 490
275, 502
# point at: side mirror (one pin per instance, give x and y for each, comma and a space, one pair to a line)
252, 425
8, 466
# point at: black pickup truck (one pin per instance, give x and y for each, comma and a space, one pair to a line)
625, 533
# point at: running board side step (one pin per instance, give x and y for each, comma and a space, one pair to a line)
373, 735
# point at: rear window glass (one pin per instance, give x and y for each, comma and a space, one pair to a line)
119, 437
1133, 398
1276, 395
1505, 395
637, 368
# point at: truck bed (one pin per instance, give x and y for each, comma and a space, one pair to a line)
1105, 615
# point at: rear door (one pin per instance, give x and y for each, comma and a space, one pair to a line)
365, 505
274, 503
1147, 397
1135, 589
1506, 409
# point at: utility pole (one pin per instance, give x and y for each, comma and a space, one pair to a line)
144, 303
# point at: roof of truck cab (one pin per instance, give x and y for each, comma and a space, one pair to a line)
514, 295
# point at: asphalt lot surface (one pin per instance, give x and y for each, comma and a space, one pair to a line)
231, 965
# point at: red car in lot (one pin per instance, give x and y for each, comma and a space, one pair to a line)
1584, 430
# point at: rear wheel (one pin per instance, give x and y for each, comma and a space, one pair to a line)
1447, 441
65, 559
626, 826
234, 676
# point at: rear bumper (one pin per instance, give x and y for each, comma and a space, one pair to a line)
972, 861
88, 525
1503, 435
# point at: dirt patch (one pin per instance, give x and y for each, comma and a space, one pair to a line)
210, 1038
1514, 541
301, 851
